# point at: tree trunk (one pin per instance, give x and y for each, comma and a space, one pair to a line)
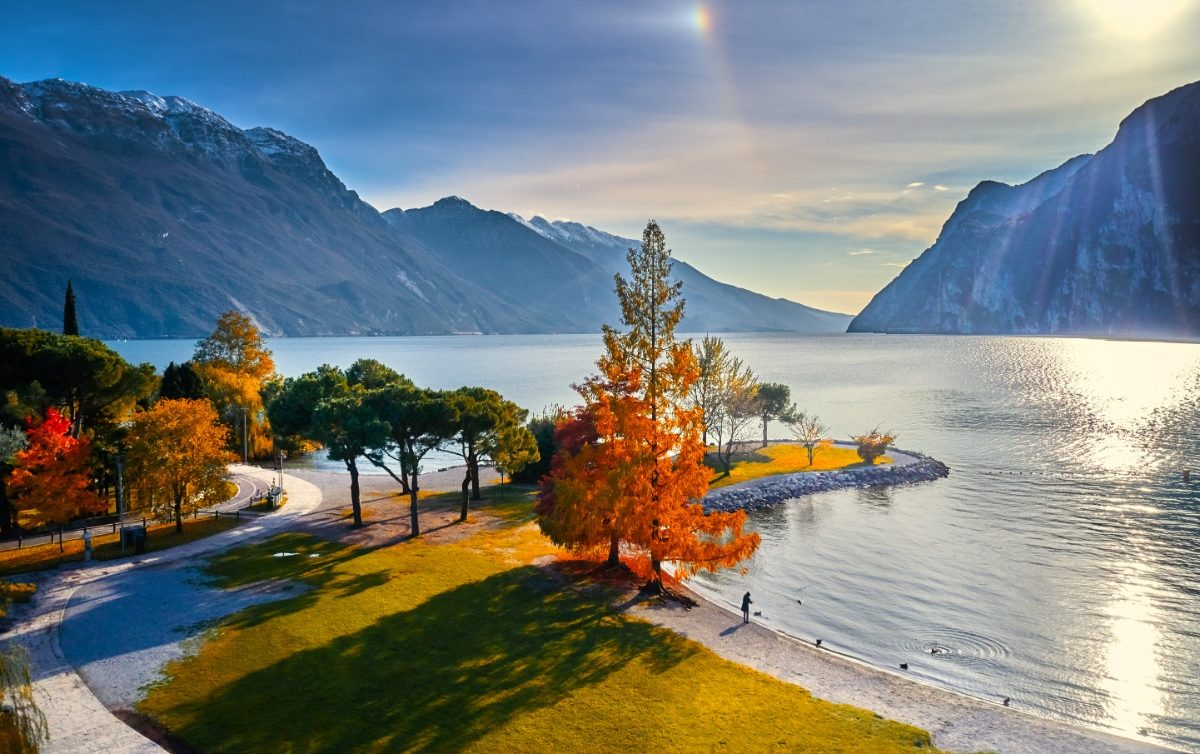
809, 448
178, 513
403, 482
614, 550
764, 432
415, 523
355, 503
7, 511
656, 582
473, 470
466, 484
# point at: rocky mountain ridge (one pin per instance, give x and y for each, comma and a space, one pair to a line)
1104, 245
164, 214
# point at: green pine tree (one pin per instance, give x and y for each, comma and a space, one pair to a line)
70, 323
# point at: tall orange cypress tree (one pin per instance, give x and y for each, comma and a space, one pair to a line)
637, 480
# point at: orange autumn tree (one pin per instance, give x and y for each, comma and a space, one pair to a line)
633, 479
234, 364
51, 478
176, 457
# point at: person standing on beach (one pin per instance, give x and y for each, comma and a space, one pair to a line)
746, 603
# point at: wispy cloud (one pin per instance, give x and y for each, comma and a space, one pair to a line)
861, 252
796, 122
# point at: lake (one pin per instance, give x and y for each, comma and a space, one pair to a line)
1059, 565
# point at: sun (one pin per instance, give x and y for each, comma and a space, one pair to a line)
1137, 18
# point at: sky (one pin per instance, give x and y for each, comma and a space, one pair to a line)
807, 150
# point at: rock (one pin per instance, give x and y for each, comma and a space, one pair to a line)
771, 491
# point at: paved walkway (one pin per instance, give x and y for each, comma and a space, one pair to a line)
77, 720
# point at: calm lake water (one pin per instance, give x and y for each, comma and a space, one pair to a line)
1059, 565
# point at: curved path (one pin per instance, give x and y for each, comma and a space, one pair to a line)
78, 721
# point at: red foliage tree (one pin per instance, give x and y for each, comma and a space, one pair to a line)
50, 481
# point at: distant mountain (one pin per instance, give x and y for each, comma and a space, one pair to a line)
164, 214
712, 306
523, 269
1103, 245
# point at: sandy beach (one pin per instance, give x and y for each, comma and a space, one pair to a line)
957, 722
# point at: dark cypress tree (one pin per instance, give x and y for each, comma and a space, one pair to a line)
181, 381
70, 324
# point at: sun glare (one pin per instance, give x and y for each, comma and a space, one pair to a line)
701, 19
1137, 18
1132, 668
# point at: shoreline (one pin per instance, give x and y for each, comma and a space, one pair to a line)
956, 721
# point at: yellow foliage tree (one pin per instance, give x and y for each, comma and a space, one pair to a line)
176, 457
234, 364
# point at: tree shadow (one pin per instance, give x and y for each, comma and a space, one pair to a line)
434, 678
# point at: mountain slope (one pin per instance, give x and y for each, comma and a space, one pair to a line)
1102, 245
163, 215
712, 306
523, 269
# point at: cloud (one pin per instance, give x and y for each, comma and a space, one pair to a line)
940, 187
916, 184
861, 252
896, 264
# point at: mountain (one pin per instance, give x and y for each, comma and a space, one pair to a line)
524, 269
712, 306
1104, 245
164, 214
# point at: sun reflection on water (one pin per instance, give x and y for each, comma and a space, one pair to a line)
1123, 384
1132, 668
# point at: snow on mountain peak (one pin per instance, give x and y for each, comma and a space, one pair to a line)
270, 141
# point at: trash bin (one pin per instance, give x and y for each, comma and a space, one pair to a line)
135, 537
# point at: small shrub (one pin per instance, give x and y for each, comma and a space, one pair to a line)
873, 444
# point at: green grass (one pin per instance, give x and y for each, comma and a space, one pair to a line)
466, 646
783, 459
108, 546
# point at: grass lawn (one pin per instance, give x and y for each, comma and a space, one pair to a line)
108, 546
467, 645
783, 459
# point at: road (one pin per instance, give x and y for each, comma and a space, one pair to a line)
248, 487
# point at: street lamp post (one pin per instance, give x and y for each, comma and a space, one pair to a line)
120, 485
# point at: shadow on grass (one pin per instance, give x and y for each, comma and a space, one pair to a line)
435, 678
310, 562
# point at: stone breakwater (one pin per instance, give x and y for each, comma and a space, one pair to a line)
763, 493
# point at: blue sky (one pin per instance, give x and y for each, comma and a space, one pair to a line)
802, 149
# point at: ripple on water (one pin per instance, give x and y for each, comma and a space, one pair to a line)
954, 645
